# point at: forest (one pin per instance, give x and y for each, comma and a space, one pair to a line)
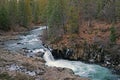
64, 15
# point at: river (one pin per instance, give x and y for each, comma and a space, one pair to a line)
31, 42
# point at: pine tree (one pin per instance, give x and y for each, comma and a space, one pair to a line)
73, 17
4, 19
35, 11
43, 5
28, 12
55, 17
25, 13
13, 12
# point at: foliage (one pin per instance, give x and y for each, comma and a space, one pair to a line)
4, 19
13, 12
35, 11
25, 13
62, 16
113, 34
73, 15
55, 17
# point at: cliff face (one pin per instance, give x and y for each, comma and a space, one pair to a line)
91, 53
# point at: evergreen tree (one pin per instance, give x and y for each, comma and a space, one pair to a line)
28, 12
43, 5
35, 11
73, 16
25, 13
55, 17
13, 12
4, 19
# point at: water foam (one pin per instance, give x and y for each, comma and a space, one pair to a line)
32, 42
94, 72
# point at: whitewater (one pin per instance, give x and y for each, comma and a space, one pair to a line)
31, 41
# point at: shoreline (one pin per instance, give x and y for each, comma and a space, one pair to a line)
32, 67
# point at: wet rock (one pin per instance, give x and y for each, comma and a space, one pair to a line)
39, 54
2, 44
57, 54
26, 50
40, 72
117, 69
64, 53
19, 43
68, 70
105, 55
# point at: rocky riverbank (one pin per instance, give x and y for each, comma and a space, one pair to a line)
18, 66
91, 53
91, 45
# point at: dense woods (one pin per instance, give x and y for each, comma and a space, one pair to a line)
62, 16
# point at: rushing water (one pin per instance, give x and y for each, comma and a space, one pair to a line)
32, 43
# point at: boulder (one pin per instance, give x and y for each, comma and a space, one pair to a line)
65, 53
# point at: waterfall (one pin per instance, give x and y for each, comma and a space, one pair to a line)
92, 71
32, 43
48, 56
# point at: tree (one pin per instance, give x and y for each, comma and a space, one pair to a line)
55, 18
28, 12
25, 13
13, 12
43, 5
4, 19
73, 16
100, 7
35, 11
117, 10
110, 11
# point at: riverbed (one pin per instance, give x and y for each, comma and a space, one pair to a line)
32, 44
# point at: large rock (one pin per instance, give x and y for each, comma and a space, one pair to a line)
64, 53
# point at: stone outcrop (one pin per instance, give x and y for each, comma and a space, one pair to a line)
108, 56
64, 53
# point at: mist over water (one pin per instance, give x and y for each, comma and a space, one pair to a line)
31, 41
